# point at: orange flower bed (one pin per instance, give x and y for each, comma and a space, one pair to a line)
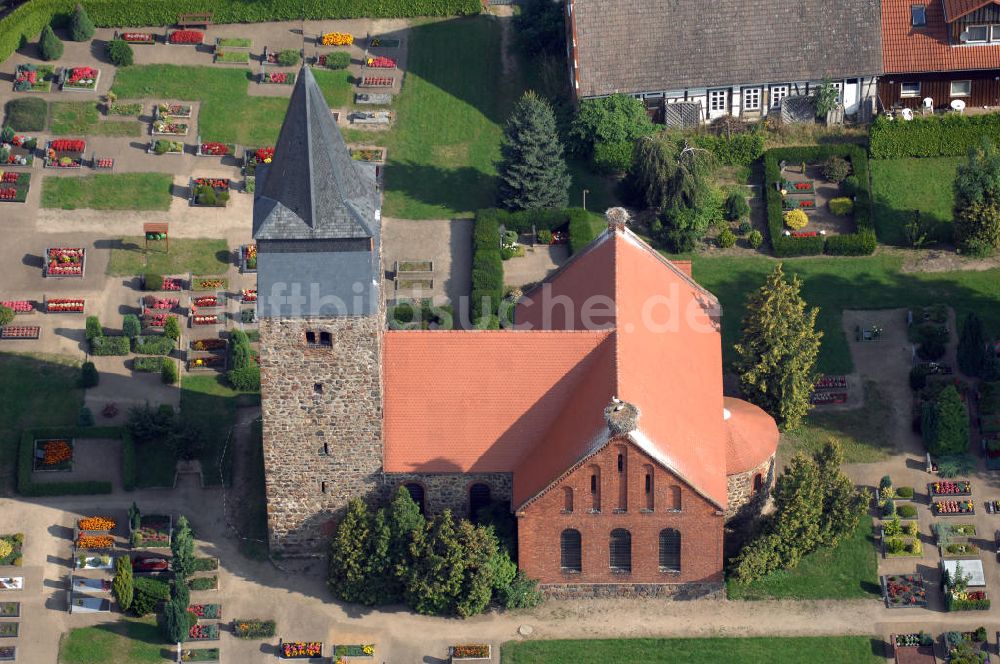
95, 542
56, 452
95, 523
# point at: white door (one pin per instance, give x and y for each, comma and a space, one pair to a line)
718, 103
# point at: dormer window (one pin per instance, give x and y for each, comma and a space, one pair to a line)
918, 16
976, 34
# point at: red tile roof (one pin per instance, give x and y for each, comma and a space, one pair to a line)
531, 401
956, 9
906, 49
753, 436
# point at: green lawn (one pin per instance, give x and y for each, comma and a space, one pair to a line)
199, 256
716, 650
209, 401
227, 113
900, 186
81, 118
36, 391
862, 433
601, 189
156, 464
128, 641
837, 283
849, 571
118, 191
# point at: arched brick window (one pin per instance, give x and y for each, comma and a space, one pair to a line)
670, 550
479, 497
567, 499
675, 498
758, 483
570, 558
417, 494
620, 550
595, 488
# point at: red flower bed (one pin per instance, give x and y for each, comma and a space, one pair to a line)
186, 37
171, 283
381, 62
249, 295
265, 154
377, 81
953, 507
18, 306
64, 261
137, 37
950, 488
68, 145
82, 76
804, 234
160, 303
10, 176
25, 75
827, 382
155, 319
8, 194
301, 649
20, 332
277, 77
106, 163
214, 183
803, 185
207, 319
206, 301
64, 305
806, 204
215, 149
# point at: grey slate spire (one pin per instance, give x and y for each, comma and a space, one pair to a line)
312, 189
316, 219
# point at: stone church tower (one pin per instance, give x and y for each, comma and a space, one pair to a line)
316, 220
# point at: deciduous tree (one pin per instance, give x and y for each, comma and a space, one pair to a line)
977, 201
616, 120
778, 349
532, 169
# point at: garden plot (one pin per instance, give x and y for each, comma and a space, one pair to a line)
16, 149
34, 78
825, 202
89, 461
81, 79
65, 153
14, 187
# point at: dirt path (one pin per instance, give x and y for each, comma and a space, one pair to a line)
505, 13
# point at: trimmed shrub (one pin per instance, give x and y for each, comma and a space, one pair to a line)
737, 150
26, 114
120, 53
544, 236
835, 169
727, 238
949, 135
80, 27
288, 58
147, 593
154, 345
131, 327
151, 281
862, 243
172, 328
88, 375
755, 238
796, 219
49, 46
93, 328
841, 206
736, 206
246, 379
905, 492
149, 364
850, 186
745, 227
907, 512
169, 372
110, 346
338, 60
613, 157
945, 424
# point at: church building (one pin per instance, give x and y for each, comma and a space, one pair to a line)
600, 418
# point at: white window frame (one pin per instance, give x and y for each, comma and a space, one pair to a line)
718, 100
912, 16
951, 89
911, 93
752, 99
839, 86
995, 32
779, 92
985, 39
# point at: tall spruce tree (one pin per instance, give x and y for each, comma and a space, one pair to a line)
381, 587
778, 349
945, 424
843, 504
798, 503
404, 518
81, 28
121, 586
347, 577
434, 582
971, 352
49, 46
532, 170
182, 548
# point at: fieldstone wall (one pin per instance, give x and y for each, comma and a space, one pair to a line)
743, 502
451, 490
322, 412
678, 591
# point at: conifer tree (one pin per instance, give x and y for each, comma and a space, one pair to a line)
945, 424
381, 587
80, 26
404, 518
843, 504
182, 548
778, 350
121, 586
798, 502
435, 579
49, 46
977, 201
532, 170
971, 352
347, 576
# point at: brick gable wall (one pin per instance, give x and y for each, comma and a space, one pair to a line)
623, 505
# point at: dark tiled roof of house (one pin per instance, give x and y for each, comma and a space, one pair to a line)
956, 9
650, 45
313, 189
906, 49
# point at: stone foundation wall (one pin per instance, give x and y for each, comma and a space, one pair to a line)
450, 490
678, 591
743, 502
322, 412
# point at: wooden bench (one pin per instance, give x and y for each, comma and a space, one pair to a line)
192, 19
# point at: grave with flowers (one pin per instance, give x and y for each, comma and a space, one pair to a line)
65, 153
80, 78
14, 187
16, 149
62, 262
34, 78
254, 156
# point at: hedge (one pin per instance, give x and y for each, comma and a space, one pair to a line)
110, 346
26, 22
949, 135
154, 345
569, 219
26, 487
737, 150
861, 243
152, 364
487, 266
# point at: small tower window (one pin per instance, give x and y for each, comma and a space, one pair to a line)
325, 339
326, 449
310, 337
322, 487
621, 462
318, 388
568, 499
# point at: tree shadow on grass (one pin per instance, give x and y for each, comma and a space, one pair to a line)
135, 631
